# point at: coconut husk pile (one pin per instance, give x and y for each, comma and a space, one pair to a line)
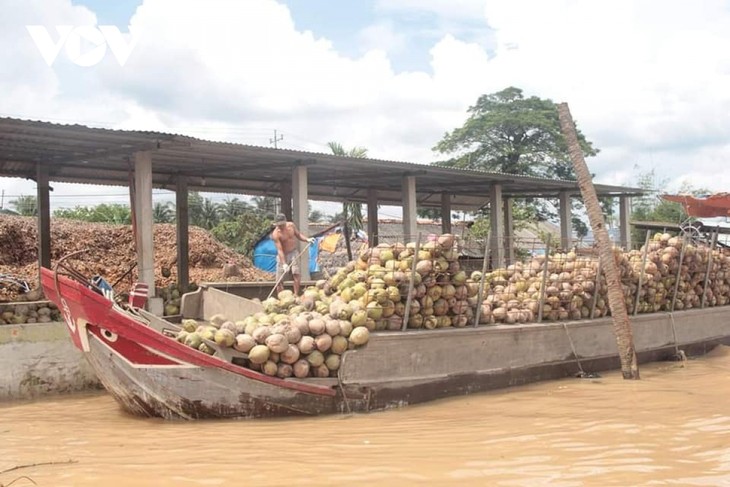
112, 252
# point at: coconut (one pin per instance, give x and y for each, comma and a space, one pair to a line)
323, 342
261, 333
225, 337
359, 336
332, 362
317, 326
346, 328
269, 368
430, 322
374, 310
277, 343
231, 326
306, 344
206, 349
358, 318
244, 343
217, 320
321, 371
315, 358
292, 333
339, 345
181, 336
187, 324
284, 371
301, 368
332, 327
259, 354
290, 355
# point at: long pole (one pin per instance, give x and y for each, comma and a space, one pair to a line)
595, 289
709, 266
679, 274
480, 293
641, 274
616, 300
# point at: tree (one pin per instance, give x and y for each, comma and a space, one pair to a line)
266, 206
25, 205
242, 233
232, 208
352, 212
506, 132
163, 212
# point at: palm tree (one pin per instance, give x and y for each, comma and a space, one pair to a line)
266, 205
352, 212
616, 301
163, 212
209, 214
25, 205
232, 208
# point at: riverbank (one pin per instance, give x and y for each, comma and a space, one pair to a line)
38, 359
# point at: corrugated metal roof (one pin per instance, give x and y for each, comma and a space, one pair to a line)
80, 154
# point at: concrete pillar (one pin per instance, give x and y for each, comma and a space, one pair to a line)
496, 221
624, 214
44, 216
509, 231
445, 212
182, 216
566, 224
143, 218
410, 222
372, 217
285, 192
300, 213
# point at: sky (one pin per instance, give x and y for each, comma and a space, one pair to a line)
646, 80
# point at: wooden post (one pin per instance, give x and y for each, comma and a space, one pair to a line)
445, 212
641, 274
372, 217
44, 217
616, 301
181, 216
285, 192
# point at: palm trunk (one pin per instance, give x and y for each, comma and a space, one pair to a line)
616, 301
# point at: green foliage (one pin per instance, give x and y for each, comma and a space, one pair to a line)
25, 205
163, 212
352, 212
430, 213
243, 232
509, 133
115, 213
267, 206
203, 212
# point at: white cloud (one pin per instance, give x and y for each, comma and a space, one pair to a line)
646, 80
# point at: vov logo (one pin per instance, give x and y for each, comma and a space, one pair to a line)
86, 45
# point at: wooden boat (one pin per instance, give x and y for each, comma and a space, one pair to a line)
151, 374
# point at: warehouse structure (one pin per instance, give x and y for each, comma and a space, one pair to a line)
141, 160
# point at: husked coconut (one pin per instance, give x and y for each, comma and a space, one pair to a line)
269, 368
317, 326
332, 327
321, 371
339, 345
244, 343
290, 355
261, 333
225, 338
277, 343
332, 362
301, 368
306, 344
315, 358
323, 342
284, 370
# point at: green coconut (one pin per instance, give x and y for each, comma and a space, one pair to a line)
259, 354
339, 345
332, 362
206, 349
181, 336
359, 336
189, 325
225, 338
315, 358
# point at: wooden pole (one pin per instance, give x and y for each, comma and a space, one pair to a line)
679, 274
480, 292
641, 274
411, 283
709, 266
616, 301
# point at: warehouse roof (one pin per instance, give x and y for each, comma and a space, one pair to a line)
80, 154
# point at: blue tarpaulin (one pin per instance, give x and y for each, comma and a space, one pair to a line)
264, 255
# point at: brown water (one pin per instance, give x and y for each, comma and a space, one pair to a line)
670, 428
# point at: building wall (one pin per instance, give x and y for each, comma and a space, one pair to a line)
39, 359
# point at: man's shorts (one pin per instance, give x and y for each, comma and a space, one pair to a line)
292, 260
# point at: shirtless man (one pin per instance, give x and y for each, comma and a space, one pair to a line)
285, 236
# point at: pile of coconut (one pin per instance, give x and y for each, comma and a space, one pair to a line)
306, 336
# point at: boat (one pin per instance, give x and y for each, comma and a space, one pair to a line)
149, 373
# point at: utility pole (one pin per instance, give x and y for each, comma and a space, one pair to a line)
276, 139
2, 200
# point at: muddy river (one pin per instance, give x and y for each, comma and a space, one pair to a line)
670, 428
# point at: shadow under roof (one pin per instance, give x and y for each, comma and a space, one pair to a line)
80, 154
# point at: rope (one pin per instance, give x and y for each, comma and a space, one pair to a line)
575, 355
